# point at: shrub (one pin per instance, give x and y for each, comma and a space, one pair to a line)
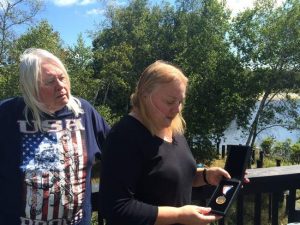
295, 154
266, 145
282, 150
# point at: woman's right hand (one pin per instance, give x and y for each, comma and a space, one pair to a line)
196, 215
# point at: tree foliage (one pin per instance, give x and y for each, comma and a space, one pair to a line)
191, 34
40, 36
217, 81
14, 13
79, 61
9, 81
266, 39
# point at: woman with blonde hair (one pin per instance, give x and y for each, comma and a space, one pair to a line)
148, 170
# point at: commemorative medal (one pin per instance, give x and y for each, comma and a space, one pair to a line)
222, 199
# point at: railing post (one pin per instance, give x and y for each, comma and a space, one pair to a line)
258, 163
270, 207
257, 209
223, 151
278, 162
240, 210
261, 158
275, 205
290, 205
100, 219
253, 156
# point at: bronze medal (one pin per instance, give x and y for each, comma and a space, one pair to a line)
221, 200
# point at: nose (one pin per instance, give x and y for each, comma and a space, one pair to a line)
177, 107
59, 84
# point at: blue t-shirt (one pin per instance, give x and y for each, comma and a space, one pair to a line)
45, 176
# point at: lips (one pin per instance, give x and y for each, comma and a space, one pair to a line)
61, 95
170, 117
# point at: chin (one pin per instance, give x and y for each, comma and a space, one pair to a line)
62, 104
167, 125
65, 100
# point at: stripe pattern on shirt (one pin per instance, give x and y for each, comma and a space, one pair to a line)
54, 164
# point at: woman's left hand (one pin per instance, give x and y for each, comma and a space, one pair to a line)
215, 174
246, 179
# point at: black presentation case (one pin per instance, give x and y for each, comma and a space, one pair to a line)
238, 158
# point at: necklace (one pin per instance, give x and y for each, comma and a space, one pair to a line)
168, 139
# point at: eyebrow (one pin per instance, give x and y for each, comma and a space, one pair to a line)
54, 75
171, 96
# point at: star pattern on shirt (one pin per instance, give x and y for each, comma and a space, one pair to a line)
31, 144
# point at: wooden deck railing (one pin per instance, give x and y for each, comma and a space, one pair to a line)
273, 180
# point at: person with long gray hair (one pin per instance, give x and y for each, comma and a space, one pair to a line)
48, 141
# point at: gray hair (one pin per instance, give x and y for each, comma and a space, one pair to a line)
30, 72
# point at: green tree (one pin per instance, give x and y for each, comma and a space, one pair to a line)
14, 13
40, 36
266, 145
282, 150
9, 81
217, 81
295, 155
79, 61
121, 52
266, 39
191, 34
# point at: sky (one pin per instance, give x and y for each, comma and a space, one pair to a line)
72, 17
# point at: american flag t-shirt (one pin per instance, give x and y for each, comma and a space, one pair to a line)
54, 166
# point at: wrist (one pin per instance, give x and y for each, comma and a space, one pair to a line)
204, 174
181, 216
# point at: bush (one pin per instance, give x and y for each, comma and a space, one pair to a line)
267, 144
282, 150
295, 155
107, 114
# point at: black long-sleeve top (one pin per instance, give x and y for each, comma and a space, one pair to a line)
140, 172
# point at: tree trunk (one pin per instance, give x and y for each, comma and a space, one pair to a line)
253, 127
106, 93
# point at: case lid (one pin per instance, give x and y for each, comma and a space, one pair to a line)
237, 160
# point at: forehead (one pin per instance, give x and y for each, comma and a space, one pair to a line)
50, 69
174, 89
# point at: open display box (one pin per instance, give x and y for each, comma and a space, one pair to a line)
225, 193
